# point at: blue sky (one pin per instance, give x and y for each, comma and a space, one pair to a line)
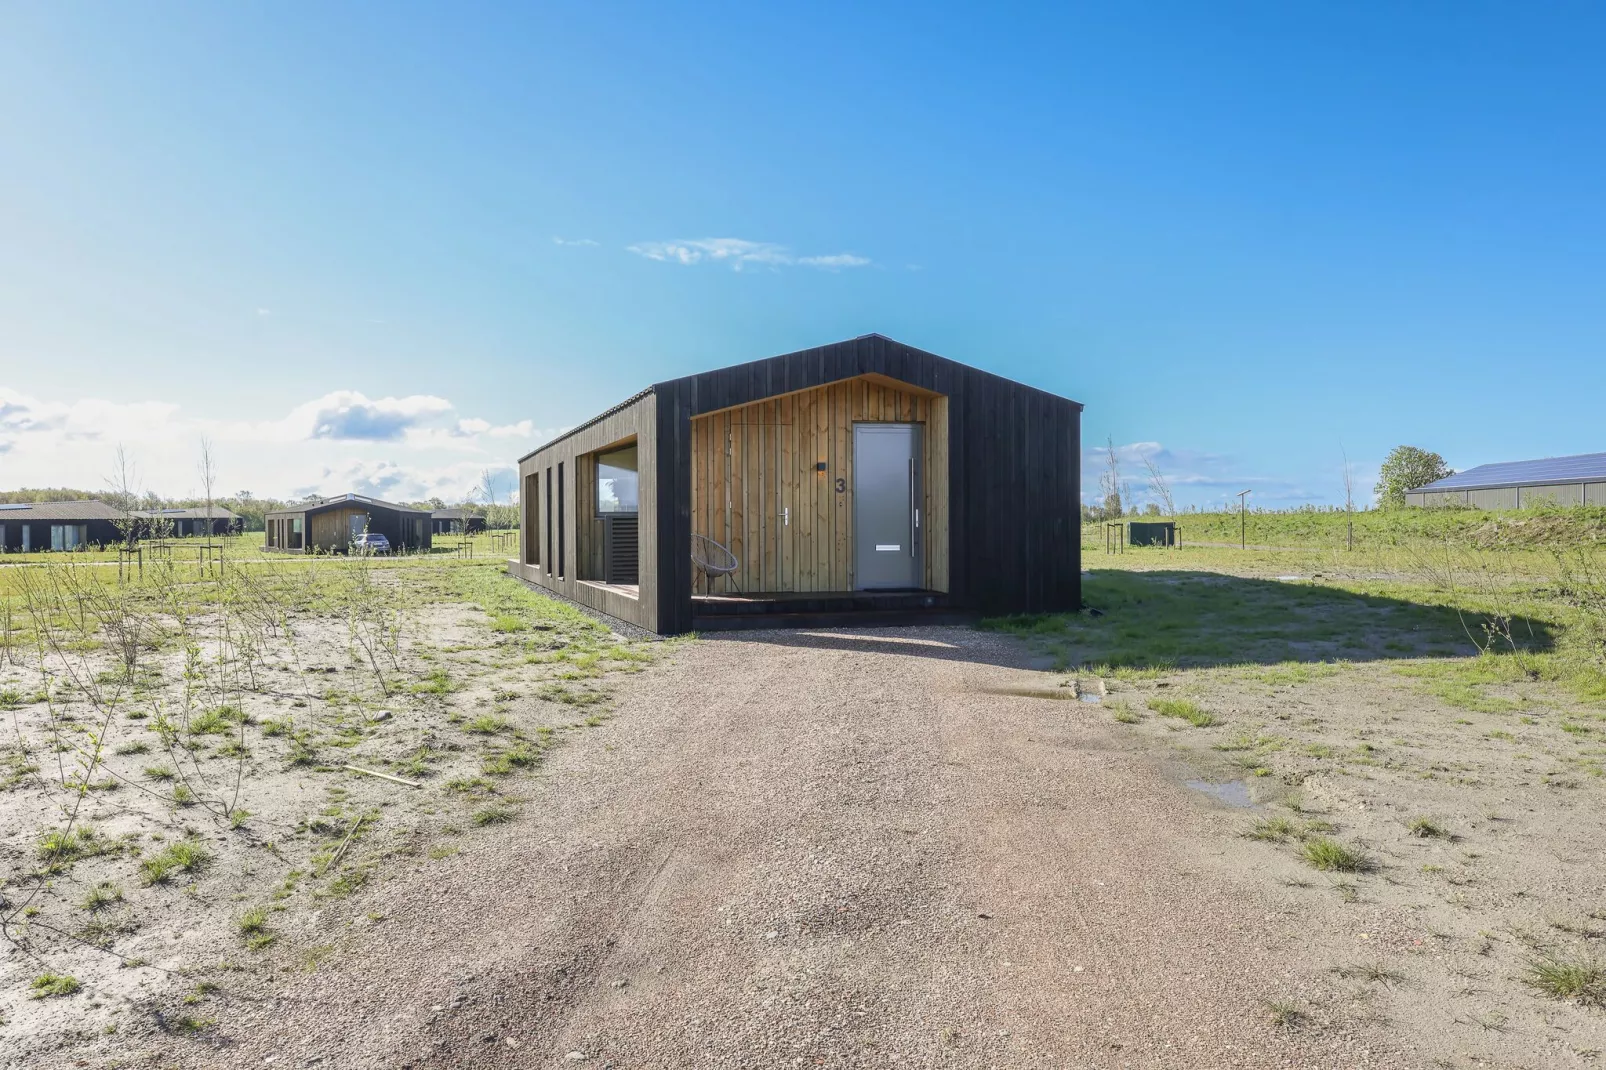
1246, 236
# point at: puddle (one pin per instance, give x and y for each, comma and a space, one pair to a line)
1088, 696
1061, 694
1232, 792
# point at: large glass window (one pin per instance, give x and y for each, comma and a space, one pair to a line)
68, 536
616, 481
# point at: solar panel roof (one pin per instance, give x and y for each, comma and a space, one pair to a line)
1581, 468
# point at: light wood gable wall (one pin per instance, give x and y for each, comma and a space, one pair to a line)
753, 462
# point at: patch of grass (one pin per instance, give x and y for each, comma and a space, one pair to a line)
137, 746
1328, 854
185, 856
102, 896
51, 985
1582, 981
58, 849
183, 796
441, 851
1275, 829
1125, 714
493, 815
1284, 1014
487, 724
1428, 827
471, 786
436, 682
253, 922
507, 624
1185, 709
159, 772
1372, 972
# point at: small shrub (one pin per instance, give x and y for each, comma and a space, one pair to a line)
49, 985
183, 796
253, 921
1328, 854
159, 772
486, 724
1184, 709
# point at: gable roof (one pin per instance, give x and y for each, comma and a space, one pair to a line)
344, 499
1579, 468
192, 513
869, 354
85, 510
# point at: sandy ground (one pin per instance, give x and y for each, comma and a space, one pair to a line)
854, 849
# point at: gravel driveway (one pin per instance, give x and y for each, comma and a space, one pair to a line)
825, 849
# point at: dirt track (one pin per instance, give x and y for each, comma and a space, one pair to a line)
834, 849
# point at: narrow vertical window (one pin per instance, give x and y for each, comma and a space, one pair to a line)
549, 521
561, 531
531, 520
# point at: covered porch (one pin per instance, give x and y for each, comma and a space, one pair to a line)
841, 490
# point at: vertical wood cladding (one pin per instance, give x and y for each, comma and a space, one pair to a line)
757, 486
1013, 462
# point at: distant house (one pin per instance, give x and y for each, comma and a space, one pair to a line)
456, 522
327, 525
185, 522
32, 526
1576, 480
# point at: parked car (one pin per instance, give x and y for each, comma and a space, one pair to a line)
370, 542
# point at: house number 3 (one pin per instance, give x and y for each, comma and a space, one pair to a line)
841, 485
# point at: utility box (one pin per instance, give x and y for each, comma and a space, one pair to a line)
1151, 533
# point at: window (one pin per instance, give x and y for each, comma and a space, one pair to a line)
549, 521
561, 532
68, 536
531, 521
617, 481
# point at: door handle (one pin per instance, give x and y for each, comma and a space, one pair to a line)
914, 513
786, 515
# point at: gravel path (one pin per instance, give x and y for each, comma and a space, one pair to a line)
824, 849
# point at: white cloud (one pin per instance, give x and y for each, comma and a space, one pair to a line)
740, 253
346, 414
410, 447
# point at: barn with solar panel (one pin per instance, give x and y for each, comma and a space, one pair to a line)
1578, 480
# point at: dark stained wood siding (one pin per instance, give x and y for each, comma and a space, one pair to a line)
1014, 471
